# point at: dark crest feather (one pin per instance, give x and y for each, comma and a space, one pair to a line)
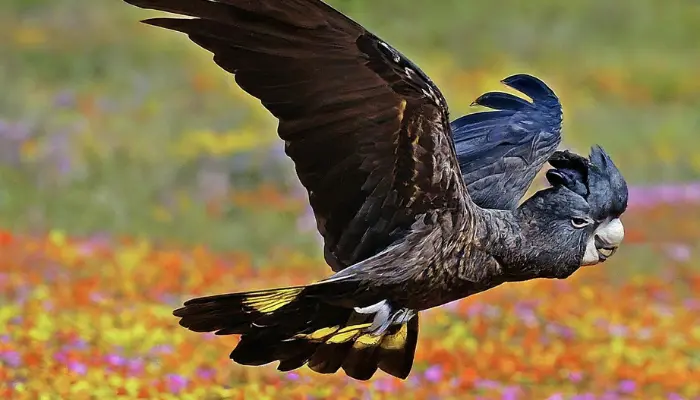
595, 178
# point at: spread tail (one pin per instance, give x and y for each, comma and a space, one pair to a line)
295, 327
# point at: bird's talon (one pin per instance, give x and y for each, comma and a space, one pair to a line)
385, 316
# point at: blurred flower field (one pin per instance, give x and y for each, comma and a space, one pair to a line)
91, 318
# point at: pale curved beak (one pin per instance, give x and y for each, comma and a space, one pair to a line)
605, 242
608, 238
611, 233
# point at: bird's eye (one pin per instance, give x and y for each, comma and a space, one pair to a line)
579, 223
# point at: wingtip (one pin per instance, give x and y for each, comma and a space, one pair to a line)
522, 77
531, 85
139, 3
179, 312
165, 22
478, 101
502, 101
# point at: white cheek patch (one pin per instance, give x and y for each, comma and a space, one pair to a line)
590, 257
610, 233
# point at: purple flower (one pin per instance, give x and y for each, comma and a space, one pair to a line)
48, 305
475, 309
135, 366
209, 335
161, 349
61, 356
176, 383
384, 385
692, 304
65, 99
575, 376
77, 367
510, 393
617, 330
208, 373
565, 332
96, 297
15, 131
115, 360
451, 306
649, 196
556, 396
293, 376
678, 252
12, 358
434, 373
610, 396
644, 333
487, 384
627, 386
525, 311
79, 343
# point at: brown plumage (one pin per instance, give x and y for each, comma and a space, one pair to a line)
371, 141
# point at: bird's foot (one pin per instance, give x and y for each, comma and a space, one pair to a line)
385, 316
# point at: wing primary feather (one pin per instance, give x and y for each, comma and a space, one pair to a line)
533, 87
502, 101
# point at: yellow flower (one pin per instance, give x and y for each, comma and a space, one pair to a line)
29, 36
207, 142
29, 150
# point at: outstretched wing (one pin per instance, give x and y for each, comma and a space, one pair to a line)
501, 151
367, 130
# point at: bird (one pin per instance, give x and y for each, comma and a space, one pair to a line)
415, 211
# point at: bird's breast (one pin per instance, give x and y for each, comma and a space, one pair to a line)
453, 275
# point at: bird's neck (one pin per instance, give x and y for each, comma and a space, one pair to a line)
500, 235
497, 230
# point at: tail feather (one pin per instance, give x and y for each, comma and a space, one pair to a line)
233, 313
295, 327
362, 360
254, 351
398, 349
293, 363
327, 358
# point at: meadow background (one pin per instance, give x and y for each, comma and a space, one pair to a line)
134, 175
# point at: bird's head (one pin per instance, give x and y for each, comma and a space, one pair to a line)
575, 222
